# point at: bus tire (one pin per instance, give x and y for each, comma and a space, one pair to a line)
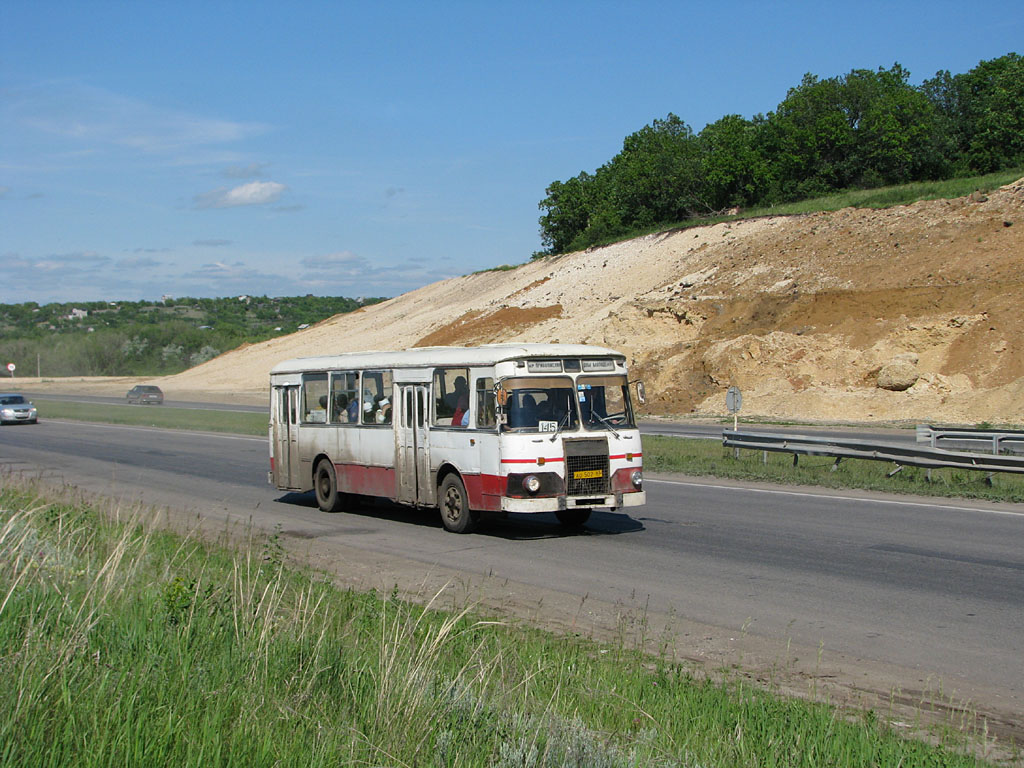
456, 516
325, 483
573, 518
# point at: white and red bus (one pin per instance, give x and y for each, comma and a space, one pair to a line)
467, 430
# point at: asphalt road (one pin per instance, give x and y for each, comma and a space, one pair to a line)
103, 400
921, 600
652, 427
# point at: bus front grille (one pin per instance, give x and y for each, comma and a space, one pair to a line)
586, 467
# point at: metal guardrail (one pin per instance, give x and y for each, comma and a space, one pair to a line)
842, 448
997, 438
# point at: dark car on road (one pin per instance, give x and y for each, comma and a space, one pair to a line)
145, 394
15, 409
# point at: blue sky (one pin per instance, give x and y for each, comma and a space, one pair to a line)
220, 148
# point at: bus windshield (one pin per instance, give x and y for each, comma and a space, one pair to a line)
541, 404
604, 402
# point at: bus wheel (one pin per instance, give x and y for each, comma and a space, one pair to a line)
456, 515
573, 518
326, 484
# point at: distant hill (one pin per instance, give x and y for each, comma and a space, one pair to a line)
125, 338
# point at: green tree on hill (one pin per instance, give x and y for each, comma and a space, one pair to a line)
861, 130
982, 113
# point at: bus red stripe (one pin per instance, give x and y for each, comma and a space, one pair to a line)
531, 461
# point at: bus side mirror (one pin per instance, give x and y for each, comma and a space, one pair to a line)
501, 395
641, 392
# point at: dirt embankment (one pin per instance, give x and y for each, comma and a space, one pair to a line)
906, 314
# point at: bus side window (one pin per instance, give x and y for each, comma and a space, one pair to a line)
451, 396
314, 398
344, 398
485, 410
377, 395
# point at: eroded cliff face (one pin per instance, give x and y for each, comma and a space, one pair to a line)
911, 313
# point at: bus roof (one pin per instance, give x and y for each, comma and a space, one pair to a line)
429, 357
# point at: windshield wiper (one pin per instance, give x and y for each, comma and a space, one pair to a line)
558, 429
604, 420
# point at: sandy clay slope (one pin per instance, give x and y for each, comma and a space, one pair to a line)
906, 314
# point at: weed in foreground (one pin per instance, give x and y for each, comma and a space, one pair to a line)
127, 645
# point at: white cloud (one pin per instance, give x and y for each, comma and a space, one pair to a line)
221, 278
342, 260
138, 262
44, 277
253, 193
220, 270
68, 263
94, 116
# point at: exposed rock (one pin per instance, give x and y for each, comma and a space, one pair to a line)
897, 376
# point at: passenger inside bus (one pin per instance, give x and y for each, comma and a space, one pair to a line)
340, 413
554, 406
383, 413
461, 416
525, 415
461, 389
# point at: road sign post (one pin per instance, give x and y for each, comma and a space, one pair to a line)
734, 401
11, 367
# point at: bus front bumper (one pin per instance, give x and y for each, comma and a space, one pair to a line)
558, 503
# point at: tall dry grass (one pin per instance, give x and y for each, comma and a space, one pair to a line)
123, 644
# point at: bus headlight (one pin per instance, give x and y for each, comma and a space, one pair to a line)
531, 483
637, 478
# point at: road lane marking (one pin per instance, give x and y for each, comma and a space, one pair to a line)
128, 428
834, 497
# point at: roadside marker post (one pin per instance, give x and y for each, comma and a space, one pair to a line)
734, 401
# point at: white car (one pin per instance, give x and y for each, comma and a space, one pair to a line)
15, 409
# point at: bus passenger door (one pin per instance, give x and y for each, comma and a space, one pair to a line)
286, 437
412, 436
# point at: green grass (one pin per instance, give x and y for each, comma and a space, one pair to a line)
710, 458
499, 268
121, 644
887, 197
238, 422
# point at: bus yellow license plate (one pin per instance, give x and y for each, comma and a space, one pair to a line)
587, 474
